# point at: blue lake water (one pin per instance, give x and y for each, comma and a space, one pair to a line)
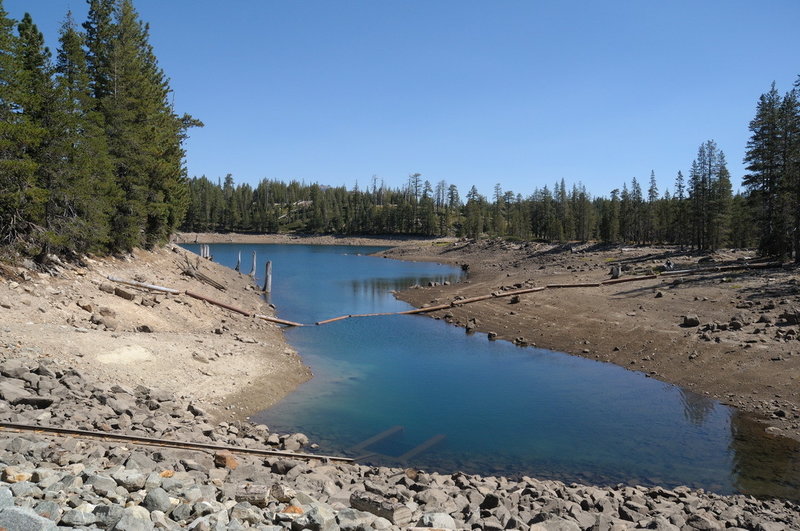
489, 407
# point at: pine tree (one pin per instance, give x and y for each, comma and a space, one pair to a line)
765, 164
653, 230
680, 218
84, 192
40, 105
710, 196
21, 200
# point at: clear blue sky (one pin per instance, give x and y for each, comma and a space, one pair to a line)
523, 93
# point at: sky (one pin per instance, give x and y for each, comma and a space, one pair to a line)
522, 93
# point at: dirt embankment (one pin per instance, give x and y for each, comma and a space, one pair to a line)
745, 351
230, 364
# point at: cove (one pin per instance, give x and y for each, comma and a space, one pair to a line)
452, 401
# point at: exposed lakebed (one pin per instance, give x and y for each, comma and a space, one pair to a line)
466, 403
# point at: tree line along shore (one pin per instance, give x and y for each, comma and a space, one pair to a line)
91, 160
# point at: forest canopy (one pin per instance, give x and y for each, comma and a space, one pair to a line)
91, 156
92, 161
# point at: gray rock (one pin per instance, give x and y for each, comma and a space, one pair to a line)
690, 320
703, 522
433, 499
354, 520
182, 512
791, 316
102, 485
556, 523
76, 518
131, 480
48, 509
319, 518
135, 518
396, 513
22, 519
12, 390
246, 512
141, 462
437, 520
108, 515
6, 497
125, 294
157, 500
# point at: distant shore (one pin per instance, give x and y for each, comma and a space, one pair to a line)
311, 239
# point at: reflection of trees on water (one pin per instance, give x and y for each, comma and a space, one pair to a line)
696, 408
379, 287
763, 465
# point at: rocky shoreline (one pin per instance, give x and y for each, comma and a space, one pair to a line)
56, 482
66, 482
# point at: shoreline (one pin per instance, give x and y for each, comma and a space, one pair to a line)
50, 378
230, 365
637, 326
629, 325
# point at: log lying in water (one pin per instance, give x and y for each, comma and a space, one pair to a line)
276, 320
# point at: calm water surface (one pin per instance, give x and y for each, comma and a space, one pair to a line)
489, 407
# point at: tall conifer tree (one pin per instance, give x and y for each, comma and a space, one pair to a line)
85, 194
20, 198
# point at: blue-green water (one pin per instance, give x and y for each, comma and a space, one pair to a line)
493, 407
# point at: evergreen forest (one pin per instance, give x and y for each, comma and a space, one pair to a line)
91, 156
92, 161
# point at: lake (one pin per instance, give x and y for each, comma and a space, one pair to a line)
409, 390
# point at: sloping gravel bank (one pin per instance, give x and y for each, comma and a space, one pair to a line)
50, 483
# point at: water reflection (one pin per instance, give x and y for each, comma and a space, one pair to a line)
764, 465
696, 408
381, 287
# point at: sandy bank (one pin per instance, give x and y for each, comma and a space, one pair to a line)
230, 364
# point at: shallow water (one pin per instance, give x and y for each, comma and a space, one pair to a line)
490, 407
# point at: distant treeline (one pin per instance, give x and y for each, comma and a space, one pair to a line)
700, 212
90, 147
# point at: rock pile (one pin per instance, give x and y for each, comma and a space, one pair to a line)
50, 483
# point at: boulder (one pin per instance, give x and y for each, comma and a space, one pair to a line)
157, 500
124, 293
396, 513
690, 320
437, 520
791, 316
22, 519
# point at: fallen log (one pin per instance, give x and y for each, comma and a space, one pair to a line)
584, 285
627, 279
276, 320
340, 318
218, 303
143, 285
